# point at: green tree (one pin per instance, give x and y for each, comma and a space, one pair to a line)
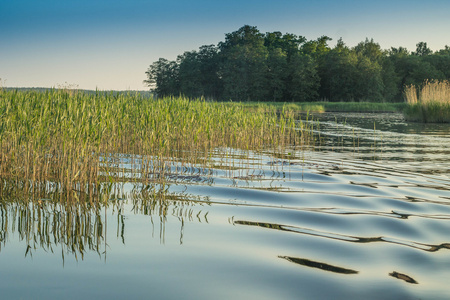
276, 74
417, 67
419, 70
445, 51
369, 84
209, 59
398, 52
162, 77
370, 50
289, 75
318, 49
244, 68
440, 61
190, 76
391, 81
338, 74
398, 59
368, 81
303, 80
288, 43
422, 49
198, 73
249, 65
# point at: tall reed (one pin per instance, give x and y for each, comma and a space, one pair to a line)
77, 141
429, 104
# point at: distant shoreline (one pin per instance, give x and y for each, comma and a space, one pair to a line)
43, 89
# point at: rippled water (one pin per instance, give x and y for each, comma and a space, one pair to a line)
363, 215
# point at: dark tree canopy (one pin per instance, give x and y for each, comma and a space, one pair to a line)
422, 49
253, 66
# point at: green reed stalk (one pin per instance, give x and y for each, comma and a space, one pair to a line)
75, 140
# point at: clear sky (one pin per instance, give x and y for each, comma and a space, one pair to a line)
109, 44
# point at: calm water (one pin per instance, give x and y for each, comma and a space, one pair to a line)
366, 215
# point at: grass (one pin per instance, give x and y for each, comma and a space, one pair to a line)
431, 104
322, 107
67, 140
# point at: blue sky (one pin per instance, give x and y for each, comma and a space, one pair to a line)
109, 44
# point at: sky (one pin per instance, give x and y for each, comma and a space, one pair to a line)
109, 44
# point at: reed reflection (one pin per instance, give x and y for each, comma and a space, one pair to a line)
76, 225
345, 238
159, 205
47, 223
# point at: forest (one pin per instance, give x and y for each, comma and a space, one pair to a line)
253, 66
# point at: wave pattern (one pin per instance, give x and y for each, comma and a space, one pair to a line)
365, 214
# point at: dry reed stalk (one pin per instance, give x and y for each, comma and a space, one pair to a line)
435, 91
411, 94
433, 104
431, 92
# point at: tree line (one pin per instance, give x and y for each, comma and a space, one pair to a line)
253, 66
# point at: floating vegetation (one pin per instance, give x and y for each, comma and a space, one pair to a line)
67, 140
431, 104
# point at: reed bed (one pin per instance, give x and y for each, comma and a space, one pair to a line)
430, 104
72, 141
321, 107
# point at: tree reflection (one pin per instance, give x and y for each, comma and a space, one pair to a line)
318, 265
342, 237
403, 277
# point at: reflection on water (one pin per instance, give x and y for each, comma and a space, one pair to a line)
403, 277
346, 238
318, 265
366, 214
45, 225
77, 227
386, 138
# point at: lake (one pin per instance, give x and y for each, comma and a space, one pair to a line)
362, 213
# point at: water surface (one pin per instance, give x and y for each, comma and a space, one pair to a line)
365, 213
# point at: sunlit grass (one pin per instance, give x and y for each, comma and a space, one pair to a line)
70, 140
430, 104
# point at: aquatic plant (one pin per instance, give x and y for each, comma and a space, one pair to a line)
429, 104
321, 107
78, 141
